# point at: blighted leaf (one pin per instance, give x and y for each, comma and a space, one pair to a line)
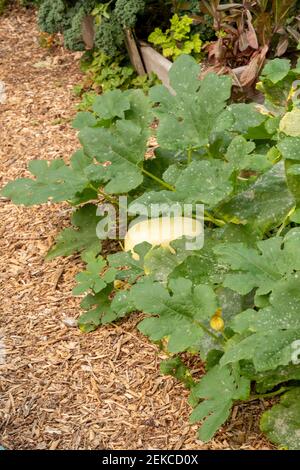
187, 119
205, 181
261, 268
245, 117
264, 204
238, 152
283, 313
282, 422
290, 123
268, 350
122, 304
290, 148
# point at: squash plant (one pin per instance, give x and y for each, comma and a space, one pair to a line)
235, 303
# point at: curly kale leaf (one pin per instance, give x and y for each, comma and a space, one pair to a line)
109, 37
52, 16
126, 11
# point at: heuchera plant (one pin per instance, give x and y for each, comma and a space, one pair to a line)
178, 39
236, 302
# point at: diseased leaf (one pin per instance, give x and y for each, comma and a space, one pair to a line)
282, 422
264, 204
262, 268
268, 350
245, 117
188, 118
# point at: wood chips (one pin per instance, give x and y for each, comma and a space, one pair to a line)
60, 388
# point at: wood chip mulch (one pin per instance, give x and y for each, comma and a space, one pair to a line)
60, 388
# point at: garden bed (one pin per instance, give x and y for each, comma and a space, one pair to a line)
61, 389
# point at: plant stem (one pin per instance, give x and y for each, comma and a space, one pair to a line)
106, 196
285, 221
269, 395
211, 218
109, 198
204, 328
189, 155
158, 180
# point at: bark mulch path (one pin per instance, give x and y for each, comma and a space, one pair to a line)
59, 388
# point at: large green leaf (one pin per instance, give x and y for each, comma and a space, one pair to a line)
188, 118
260, 268
111, 104
245, 117
282, 314
240, 155
264, 204
218, 389
267, 349
205, 181
276, 69
54, 181
177, 315
282, 422
123, 145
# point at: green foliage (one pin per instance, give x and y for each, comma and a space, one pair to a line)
218, 390
66, 17
3, 4
282, 422
51, 16
109, 36
90, 279
80, 239
192, 308
178, 39
277, 83
177, 369
104, 73
237, 161
126, 11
